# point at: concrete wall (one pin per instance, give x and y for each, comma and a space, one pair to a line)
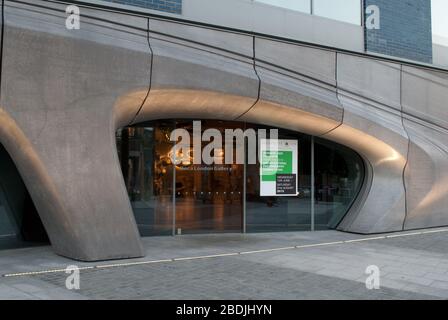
440, 55
64, 94
58, 122
425, 107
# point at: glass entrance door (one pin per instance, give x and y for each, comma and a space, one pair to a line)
148, 175
209, 198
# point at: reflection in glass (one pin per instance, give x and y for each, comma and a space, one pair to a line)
20, 224
267, 214
339, 174
148, 175
209, 198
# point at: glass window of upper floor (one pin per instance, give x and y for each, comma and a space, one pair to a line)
343, 10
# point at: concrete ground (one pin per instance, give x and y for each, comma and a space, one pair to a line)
302, 265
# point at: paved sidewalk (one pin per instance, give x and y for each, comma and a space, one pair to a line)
304, 265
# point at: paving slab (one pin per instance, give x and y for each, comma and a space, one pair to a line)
302, 265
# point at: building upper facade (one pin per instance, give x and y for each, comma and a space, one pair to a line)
171, 6
117, 72
402, 29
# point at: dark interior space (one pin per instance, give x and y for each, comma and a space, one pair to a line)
20, 224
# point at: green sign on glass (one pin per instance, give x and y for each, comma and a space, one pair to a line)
278, 167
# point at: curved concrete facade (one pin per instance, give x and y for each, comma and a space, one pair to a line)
65, 92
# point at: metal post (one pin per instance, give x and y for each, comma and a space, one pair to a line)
312, 184
312, 7
174, 200
174, 194
363, 12
244, 185
363, 24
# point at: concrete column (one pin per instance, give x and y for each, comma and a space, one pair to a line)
65, 92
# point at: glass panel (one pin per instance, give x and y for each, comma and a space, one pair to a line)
268, 214
20, 224
209, 197
342, 10
148, 175
297, 5
9, 233
339, 174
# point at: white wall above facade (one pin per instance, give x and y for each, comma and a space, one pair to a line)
272, 20
440, 51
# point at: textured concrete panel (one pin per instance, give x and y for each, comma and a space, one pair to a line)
370, 78
370, 92
39, 183
176, 103
203, 64
210, 39
427, 176
289, 117
50, 18
378, 136
299, 78
315, 63
62, 91
289, 89
425, 95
